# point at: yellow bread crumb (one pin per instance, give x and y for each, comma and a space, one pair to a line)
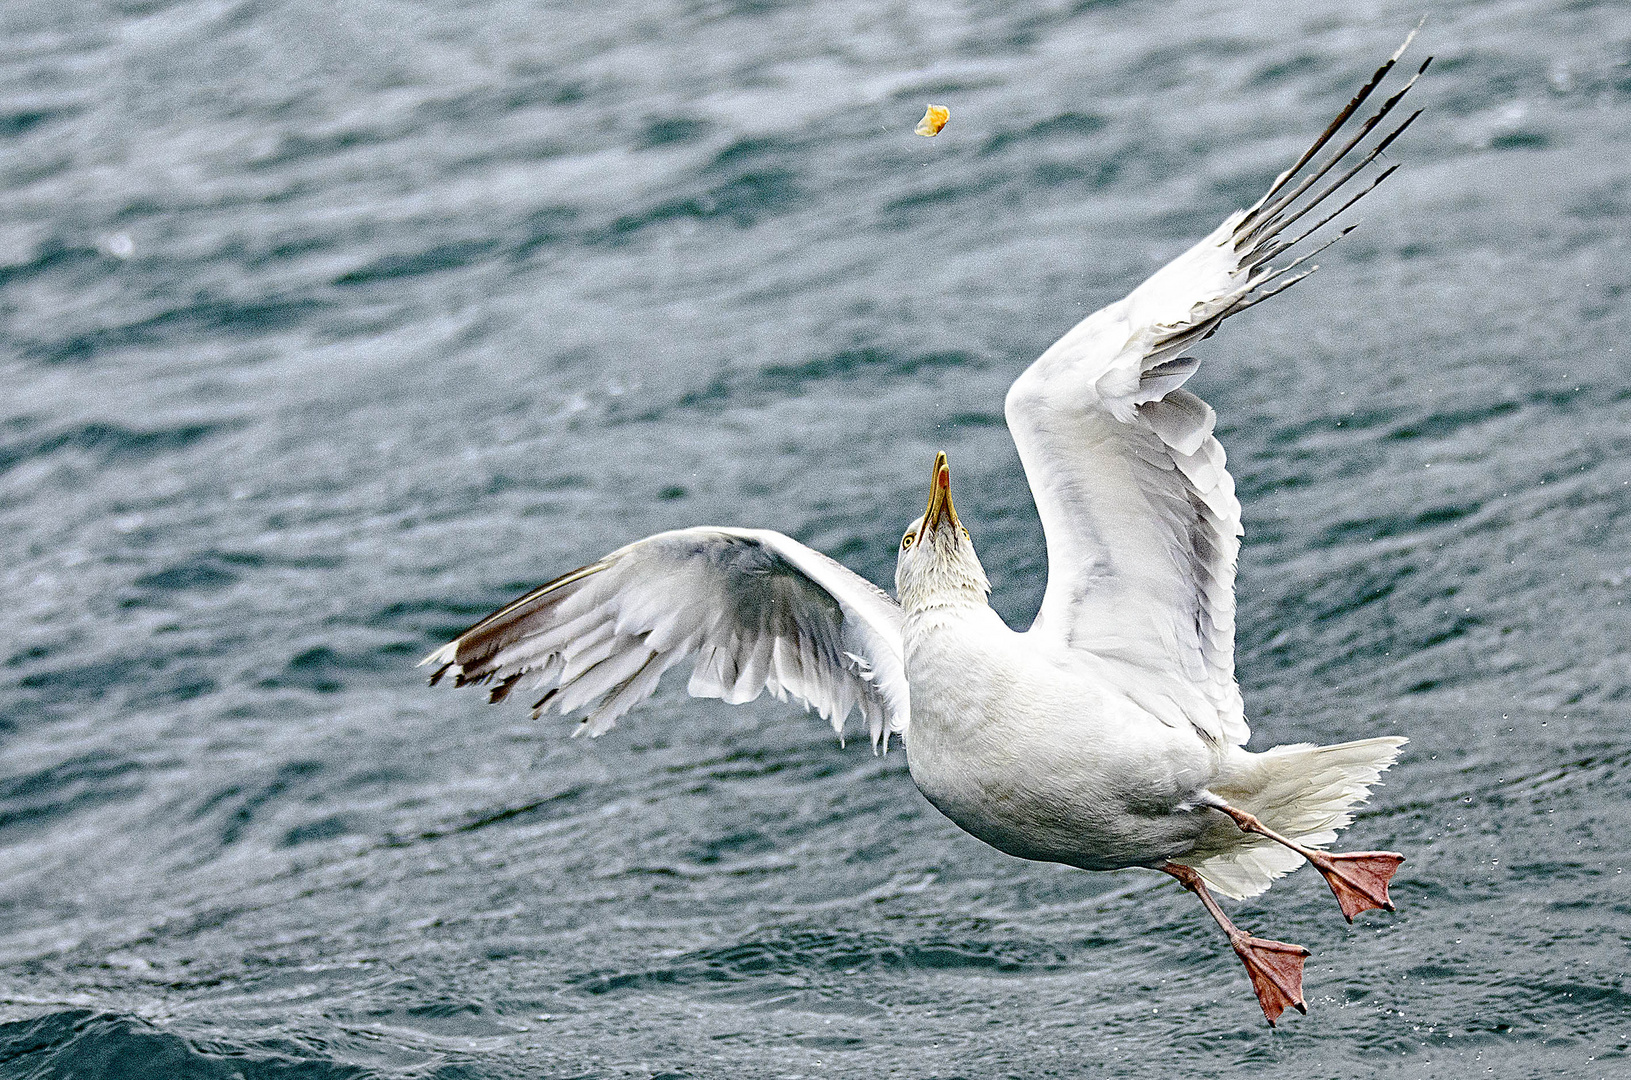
933, 121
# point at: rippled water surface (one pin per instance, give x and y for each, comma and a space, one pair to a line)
326, 328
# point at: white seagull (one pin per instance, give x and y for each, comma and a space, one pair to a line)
1111, 733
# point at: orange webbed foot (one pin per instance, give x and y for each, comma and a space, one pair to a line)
1359, 879
1276, 971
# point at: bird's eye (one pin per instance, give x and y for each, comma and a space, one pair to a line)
906, 541
966, 536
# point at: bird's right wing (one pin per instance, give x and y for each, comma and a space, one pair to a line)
751, 609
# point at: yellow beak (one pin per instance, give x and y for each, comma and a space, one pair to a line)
940, 507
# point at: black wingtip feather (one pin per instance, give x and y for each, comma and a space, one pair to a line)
1267, 216
1332, 128
1274, 252
502, 690
1263, 223
1251, 300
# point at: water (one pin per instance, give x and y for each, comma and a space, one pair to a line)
328, 328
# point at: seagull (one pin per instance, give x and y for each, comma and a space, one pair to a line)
1110, 734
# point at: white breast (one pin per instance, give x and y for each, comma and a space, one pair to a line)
1042, 753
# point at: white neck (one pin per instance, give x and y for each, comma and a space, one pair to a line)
944, 592
927, 608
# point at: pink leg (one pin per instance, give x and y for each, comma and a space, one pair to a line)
1358, 879
1275, 968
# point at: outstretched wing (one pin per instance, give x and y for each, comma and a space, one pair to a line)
751, 609
1140, 513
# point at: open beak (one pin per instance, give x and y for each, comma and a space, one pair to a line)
940, 508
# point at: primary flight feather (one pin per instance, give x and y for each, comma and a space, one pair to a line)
1111, 733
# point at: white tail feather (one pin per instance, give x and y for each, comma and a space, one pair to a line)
1302, 791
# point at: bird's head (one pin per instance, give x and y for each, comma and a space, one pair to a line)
936, 566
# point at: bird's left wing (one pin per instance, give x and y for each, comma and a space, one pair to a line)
1139, 511
751, 609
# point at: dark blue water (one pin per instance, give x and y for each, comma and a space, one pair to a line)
326, 328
